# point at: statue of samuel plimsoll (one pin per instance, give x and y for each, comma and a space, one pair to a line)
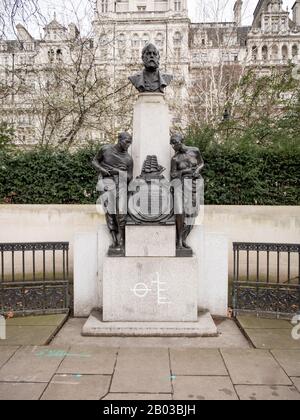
151, 79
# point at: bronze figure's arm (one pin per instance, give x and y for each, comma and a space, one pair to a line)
96, 163
200, 165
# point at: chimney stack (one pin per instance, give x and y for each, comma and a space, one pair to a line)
238, 12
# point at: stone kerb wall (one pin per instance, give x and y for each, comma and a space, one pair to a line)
40, 223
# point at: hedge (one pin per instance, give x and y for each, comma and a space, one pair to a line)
232, 176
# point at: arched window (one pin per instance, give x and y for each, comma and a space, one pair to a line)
159, 40
59, 55
135, 42
254, 53
274, 52
264, 52
51, 55
295, 51
285, 54
121, 41
146, 39
121, 45
177, 39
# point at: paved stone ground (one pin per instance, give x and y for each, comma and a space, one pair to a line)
32, 330
230, 336
222, 368
128, 373
268, 333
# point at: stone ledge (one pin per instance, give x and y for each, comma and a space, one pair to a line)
95, 327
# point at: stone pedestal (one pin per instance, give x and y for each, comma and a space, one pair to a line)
210, 249
150, 241
151, 131
96, 327
150, 289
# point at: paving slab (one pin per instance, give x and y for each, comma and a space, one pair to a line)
142, 370
296, 383
230, 337
89, 361
203, 388
6, 353
267, 393
253, 322
254, 367
77, 387
38, 320
32, 364
289, 361
203, 362
273, 339
28, 335
21, 391
138, 397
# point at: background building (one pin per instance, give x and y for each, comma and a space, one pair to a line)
204, 58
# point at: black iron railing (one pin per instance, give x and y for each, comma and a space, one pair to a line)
266, 278
34, 277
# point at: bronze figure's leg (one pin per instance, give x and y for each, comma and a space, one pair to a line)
180, 229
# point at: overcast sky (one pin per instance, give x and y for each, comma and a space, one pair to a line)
199, 10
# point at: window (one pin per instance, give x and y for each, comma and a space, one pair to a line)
141, 8
295, 51
59, 55
254, 53
203, 42
177, 5
121, 45
104, 6
177, 53
274, 52
51, 56
264, 52
121, 40
135, 41
284, 53
177, 39
23, 60
266, 23
29, 47
159, 40
146, 39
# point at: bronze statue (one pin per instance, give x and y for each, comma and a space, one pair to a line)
115, 167
151, 79
186, 167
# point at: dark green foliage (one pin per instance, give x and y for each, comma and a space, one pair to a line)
262, 177
236, 175
46, 176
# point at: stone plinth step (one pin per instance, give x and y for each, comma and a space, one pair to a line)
96, 327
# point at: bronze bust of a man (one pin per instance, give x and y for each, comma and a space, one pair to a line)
151, 79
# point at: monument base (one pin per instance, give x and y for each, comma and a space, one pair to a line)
184, 253
96, 327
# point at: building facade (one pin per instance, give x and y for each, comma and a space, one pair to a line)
122, 28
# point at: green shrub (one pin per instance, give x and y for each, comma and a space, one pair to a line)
234, 175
